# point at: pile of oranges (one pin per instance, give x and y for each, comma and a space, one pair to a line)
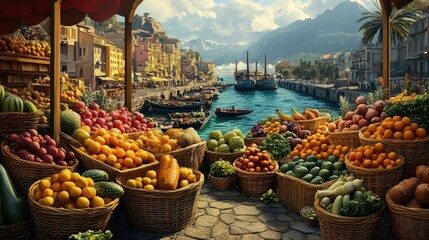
319, 145
115, 149
373, 157
396, 127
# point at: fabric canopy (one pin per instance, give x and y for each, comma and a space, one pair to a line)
13, 14
157, 79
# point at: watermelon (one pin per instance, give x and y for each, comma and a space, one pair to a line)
12, 103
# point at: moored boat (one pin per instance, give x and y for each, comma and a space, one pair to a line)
170, 106
267, 82
184, 120
243, 80
231, 112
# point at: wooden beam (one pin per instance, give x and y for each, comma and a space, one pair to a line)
386, 8
129, 55
54, 73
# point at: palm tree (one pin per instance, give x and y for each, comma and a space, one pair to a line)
400, 23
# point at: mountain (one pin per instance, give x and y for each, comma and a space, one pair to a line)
333, 30
210, 50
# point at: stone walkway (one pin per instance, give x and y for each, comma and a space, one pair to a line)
228, 215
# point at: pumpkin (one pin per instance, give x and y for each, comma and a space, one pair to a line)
414, 204
422, 194
168, 176
404, 191
422, 173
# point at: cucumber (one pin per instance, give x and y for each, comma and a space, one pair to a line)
346, 199
325, 201
108, 189
96, 175
338, 203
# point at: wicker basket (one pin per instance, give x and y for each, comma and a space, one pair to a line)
190, 156
69, 140
18, 122
24, 173
222, 183
19, 231
346, 138
89, 162
255, 184
256, 140
312, 124
56, 223
408, 223
311, 222
377, 180
210, 157
415, 152
335, 227
160, 210
296, 193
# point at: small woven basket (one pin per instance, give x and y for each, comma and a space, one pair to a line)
24, 173
20, 231
210, 157
312, 124
89, 162
159, 211
415, 152
296, 193
408, 223
256, 140
222, 183
377, 180
346, 138
255, 184
18, 122
334, 227
59, 223
311, 222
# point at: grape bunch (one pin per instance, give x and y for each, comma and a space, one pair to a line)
292, 126
258, 131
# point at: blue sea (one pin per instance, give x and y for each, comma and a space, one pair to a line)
263, 103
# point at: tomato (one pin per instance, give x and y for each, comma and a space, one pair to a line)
257, 169
271, 168
247, 152
259, 155
265, 169
245, 161
265, 156
251, 170
250, 165
264, 163
238, 164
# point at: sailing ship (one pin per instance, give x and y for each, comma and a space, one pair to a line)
243, 80
268, 82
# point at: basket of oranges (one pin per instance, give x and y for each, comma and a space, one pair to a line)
407, 138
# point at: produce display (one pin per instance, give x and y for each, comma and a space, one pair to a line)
114, 148
269, 197
309, 113
374, 157
362, 116
169, 177
27, 47
10, 102
221, 168
347, 197
313, 170
277, 146
92, 235
188, 117
396, 127
32, 146
14, 208
39, 99
175, 138
70, 190
413, 192
255, 160
417, 110
230, 142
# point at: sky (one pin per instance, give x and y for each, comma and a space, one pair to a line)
231, 21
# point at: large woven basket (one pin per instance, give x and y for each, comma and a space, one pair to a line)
210, 157
312, 124
20, 231
256, 140
377, 180
24, 173
160, 210
191, 156
408, 223
89, 162
334, 227
296, 193
222, 183
254, 184
59, 223
415, 152
69, 140
18, 122
346, 138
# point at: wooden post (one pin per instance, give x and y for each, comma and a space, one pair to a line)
386, 8
54, 73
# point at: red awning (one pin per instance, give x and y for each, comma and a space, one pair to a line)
32, 12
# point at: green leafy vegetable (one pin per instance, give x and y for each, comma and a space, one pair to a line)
221, 168
92, 235
356, 208
417, 110
277, 146
269, 197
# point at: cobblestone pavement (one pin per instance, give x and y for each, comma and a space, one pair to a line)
228, 215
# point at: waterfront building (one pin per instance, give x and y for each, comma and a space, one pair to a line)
281, 67
188, 64
207, 68
365, 64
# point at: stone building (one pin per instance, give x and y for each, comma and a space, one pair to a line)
417, 54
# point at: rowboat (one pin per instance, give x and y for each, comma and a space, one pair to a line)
196, 120
229, 112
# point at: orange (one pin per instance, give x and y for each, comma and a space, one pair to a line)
352, 156
126, 146
390, 125
138, 161
368, 153
414, 126
399, 125
374, 164
359, 149
128, 162
406, 121
408, 135
386, 162
367, 163
309, 151
94, 147
114, 142
389, 167
367, 134
396, 118
372, 128
379, 147
117, 166
130, 154
100, 140
120, 153
397, 135
104, 149
388, 119
111, 159
89, 192
345, 149
359, 156
392, 156
120, 161
102, 157
325, 155
420, 133
338, 147
324, 147
388, 134
134, 147
336, 153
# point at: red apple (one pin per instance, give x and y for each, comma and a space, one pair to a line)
102, 113
143, 121
87, 122
109, 125
101, 121
117, 123
122, 118
94, 106
86, 114
93, 128
150, 124
139, 116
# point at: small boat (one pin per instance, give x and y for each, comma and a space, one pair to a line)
162, 123
169, 106
229, 112
184, 120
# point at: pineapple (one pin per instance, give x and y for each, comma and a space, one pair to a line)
375, 96
87, 97
103, 100
345, 105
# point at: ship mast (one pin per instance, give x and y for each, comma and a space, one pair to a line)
236, 71
256, 71
265, 71
247, 64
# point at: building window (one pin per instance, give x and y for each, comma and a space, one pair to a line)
64, 49
64, 68
82, 51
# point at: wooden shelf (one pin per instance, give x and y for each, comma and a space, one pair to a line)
24, 58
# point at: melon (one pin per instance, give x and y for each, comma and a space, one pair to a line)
70, 121
12, 103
